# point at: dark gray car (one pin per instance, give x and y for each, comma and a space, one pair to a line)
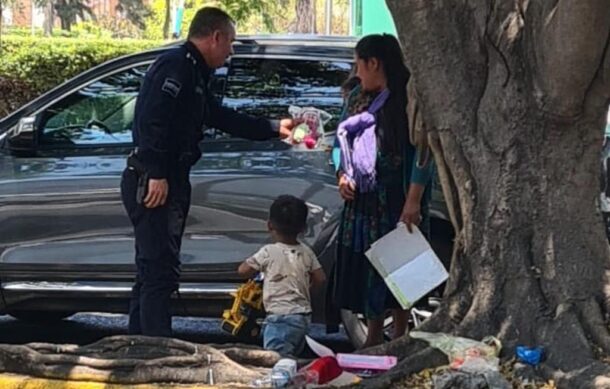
66, 244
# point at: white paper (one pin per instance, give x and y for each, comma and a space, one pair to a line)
319, 349
407, 264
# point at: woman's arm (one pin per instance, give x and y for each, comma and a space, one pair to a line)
419, 178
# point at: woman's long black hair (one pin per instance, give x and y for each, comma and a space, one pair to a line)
393, 126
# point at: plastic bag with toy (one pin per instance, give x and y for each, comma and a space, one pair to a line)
465, 354
309, 133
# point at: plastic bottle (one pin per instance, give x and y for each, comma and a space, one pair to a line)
282, 372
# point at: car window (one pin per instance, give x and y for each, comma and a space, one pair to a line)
101, 113
267, 87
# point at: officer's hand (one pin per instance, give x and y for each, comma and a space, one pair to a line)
157, 193
286, 126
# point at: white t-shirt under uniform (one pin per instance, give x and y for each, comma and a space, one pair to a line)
286, 283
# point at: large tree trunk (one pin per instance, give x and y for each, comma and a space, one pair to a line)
49, 18
166, 21
514, 96
305, 21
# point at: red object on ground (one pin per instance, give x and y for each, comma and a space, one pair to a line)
327, 368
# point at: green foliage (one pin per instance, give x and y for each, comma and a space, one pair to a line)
135, 11
252, 16
154, 22
120, 27
46, 62
69, 10
89, 30
243, 10
103, 27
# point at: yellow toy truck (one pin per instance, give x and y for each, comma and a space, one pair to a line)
247, 308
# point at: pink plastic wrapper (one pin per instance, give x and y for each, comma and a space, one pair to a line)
366, 362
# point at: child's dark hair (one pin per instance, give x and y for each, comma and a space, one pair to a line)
288, 215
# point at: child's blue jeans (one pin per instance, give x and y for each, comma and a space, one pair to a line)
286, 333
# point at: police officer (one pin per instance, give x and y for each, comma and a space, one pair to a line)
173, 105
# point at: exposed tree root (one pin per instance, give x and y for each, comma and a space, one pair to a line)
593, 322
426, 358
251, 357
569, 360
595, 375
133, 360
401, 348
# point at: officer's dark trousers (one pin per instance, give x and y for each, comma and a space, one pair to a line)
158, 237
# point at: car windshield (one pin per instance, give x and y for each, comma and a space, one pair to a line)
267, 87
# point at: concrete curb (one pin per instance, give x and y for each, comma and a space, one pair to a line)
14, 381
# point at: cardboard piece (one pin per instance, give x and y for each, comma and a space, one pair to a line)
407, 263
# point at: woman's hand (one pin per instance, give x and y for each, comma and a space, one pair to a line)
411, 214
347, 189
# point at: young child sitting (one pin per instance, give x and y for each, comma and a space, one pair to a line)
289, 269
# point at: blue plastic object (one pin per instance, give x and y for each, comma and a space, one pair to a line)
530, 355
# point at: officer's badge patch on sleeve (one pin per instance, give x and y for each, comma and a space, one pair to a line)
171, 87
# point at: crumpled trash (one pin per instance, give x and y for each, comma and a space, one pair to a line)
463, 380
465, 354
474, 364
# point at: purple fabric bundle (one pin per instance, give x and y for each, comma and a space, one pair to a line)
358, 143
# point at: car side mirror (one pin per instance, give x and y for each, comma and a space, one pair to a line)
21, 138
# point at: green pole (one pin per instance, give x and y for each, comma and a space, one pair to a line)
357, 17
374, 17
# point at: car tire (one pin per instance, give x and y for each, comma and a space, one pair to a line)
354, 327
40, 317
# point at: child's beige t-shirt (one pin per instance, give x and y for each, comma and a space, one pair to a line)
286, 283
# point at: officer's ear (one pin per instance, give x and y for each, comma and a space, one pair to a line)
216, 36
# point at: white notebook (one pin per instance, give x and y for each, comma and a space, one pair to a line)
407, 263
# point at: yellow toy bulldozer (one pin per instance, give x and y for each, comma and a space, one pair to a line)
241, 319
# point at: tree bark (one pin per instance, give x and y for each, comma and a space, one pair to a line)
49, 17
135, 360
168, 6
513, 96
305, 21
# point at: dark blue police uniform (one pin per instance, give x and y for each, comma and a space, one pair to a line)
173, 106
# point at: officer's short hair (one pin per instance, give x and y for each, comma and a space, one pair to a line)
288, 215
207, 20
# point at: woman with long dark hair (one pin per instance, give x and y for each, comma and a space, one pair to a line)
379, 180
